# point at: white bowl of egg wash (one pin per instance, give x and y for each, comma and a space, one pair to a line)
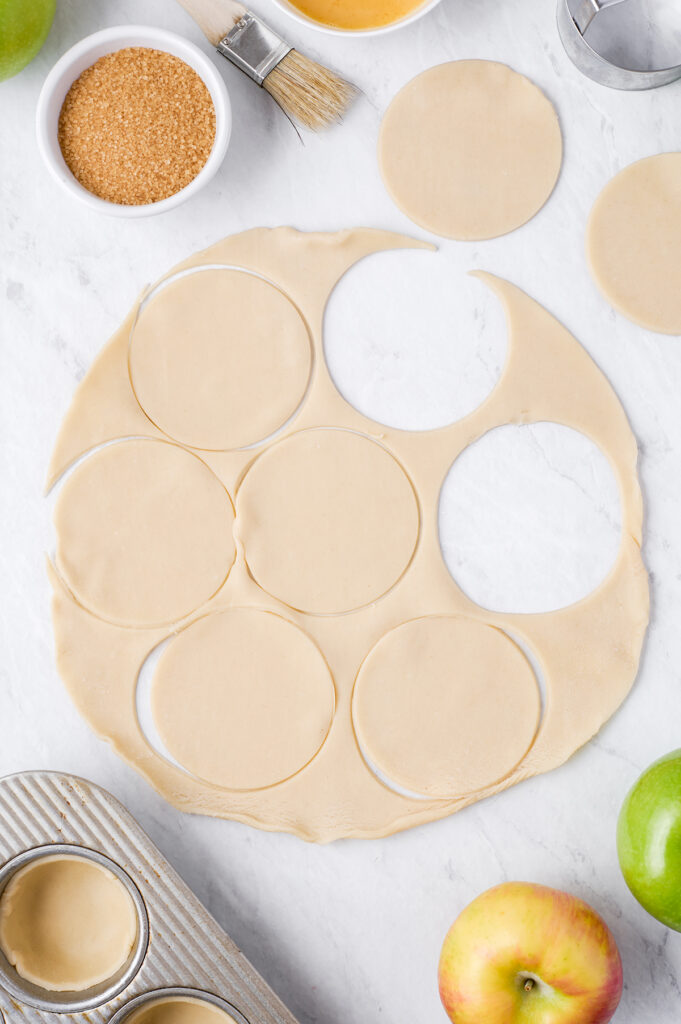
133, 120
356, 17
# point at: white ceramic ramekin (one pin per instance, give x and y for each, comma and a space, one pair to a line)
82, 56
303, 19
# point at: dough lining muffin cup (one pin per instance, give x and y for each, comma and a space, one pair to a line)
86, 999
160, 995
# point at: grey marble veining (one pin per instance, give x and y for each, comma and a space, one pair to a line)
353, 931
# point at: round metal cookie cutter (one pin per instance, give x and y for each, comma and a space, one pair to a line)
88, 999
572, 28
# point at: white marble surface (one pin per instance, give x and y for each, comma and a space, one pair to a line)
353, 931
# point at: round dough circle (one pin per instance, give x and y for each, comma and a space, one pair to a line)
179, 1010
66, 923
329, 520
243, 699
144, 533
219, 359
446, 705
470, 149
634, 242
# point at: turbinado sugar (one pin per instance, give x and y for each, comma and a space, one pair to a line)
137, 126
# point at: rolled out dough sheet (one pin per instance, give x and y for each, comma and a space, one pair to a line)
338, 683
66, 924
470, 149
219, 359
179, 1010
633, 242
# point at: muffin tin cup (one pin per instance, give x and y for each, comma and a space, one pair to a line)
172, 993
180, 949
85, 999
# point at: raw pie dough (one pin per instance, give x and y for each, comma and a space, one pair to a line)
342, 522
234, 676
66, 924
634, 242
219, 359
144, 533
470, 149
431, 677
328, 520
179, 1010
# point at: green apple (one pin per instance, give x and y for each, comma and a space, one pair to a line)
527, 954
649, 840
24, 25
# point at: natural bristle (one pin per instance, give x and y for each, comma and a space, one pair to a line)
309, 92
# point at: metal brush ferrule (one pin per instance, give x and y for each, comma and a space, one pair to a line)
254, 48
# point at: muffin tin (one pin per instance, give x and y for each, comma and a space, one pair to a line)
180, 949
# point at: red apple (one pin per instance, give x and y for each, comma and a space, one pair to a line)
527, 954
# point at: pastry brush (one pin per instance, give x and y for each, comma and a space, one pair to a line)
307, 92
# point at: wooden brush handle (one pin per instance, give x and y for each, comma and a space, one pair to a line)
215, 18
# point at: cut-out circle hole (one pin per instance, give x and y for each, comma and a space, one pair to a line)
412, 342
530, 518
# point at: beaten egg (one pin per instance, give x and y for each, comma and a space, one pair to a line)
357, 14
